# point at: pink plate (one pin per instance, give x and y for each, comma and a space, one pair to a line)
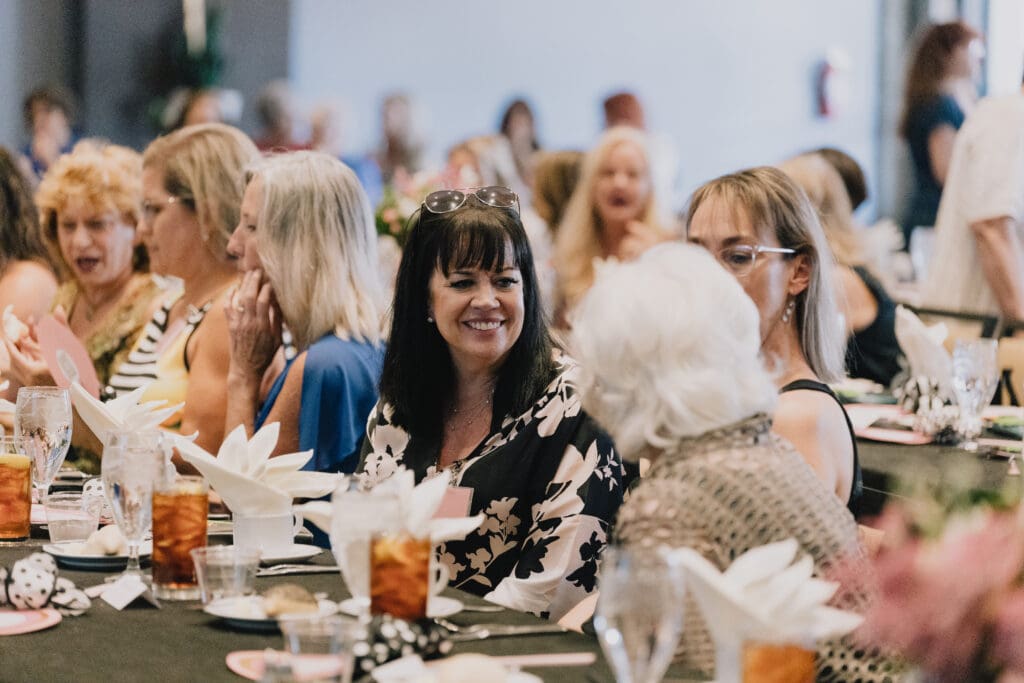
54, 336
249, 664
13, 622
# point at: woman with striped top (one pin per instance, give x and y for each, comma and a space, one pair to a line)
192, 188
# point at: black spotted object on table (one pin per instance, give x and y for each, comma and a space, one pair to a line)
33, 583
389, 638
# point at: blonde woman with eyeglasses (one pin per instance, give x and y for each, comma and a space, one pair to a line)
192, 183
761, 227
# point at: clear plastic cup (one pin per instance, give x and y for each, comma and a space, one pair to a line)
225, 571
71, 516
320, 647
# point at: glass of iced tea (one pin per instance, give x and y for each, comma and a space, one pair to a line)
774, 662
400, 575
179, 526
15, 490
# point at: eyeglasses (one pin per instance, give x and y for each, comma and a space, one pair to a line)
150, 210
739, 259
446, 201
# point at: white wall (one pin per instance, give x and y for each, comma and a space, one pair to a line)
731, 80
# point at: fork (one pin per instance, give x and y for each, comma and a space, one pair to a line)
285, 569
482, 631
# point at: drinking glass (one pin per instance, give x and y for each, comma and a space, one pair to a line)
975, 379
133, 464
15, 491
225, 571
42, 419
179, 526
357, 517
639, 616
320, 647
71, 516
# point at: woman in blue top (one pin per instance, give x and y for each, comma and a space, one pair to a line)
307, 242
940, 86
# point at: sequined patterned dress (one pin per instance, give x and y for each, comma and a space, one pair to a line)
737, 488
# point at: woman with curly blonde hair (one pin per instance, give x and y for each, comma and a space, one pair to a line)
90, 202
612, 214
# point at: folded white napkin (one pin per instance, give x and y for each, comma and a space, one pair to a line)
922, 345
249, 480
418, 503
124, 413
764, 596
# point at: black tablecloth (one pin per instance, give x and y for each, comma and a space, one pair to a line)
181, 643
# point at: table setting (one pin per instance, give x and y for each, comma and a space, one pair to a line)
172, 596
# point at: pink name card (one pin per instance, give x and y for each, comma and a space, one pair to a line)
455, 503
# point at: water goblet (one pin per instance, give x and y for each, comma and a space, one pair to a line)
639, 616
133, 464
42, 420
975, 379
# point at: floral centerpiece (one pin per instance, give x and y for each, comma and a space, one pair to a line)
950, 586
402, 198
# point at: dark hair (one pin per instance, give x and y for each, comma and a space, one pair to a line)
518, 106
20, 236
850, 171
54, 97
930, 64
418, 378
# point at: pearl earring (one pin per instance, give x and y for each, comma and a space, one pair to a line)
429, 319
787, 314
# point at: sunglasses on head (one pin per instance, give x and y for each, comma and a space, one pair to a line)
446, 201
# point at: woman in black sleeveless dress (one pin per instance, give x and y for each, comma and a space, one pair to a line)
763, 229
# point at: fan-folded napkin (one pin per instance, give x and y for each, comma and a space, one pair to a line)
249, 480
120, 414
763, 596
922, 345
418, 507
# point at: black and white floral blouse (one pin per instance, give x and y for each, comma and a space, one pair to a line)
549, 483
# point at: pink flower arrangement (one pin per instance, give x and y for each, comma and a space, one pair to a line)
952, 603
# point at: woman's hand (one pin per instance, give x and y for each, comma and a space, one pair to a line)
639, 238
27, 366
254, 323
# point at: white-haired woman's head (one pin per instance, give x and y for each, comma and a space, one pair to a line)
669, 349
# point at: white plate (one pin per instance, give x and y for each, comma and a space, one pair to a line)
246, 612
69, 555
297, 552
224, 527
437, 606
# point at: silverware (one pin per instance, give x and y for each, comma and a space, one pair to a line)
482, 631
286, 569
483, 608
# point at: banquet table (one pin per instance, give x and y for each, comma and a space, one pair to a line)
887, 467
181, 643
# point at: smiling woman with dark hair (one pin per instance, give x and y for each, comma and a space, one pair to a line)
473, 390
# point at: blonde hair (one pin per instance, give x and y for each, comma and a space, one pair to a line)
824, 187
105, 177
774, 204
668, 347
578, 240
205, 164
318, 244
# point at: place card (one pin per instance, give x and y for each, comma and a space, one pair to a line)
455, 503
127, 590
